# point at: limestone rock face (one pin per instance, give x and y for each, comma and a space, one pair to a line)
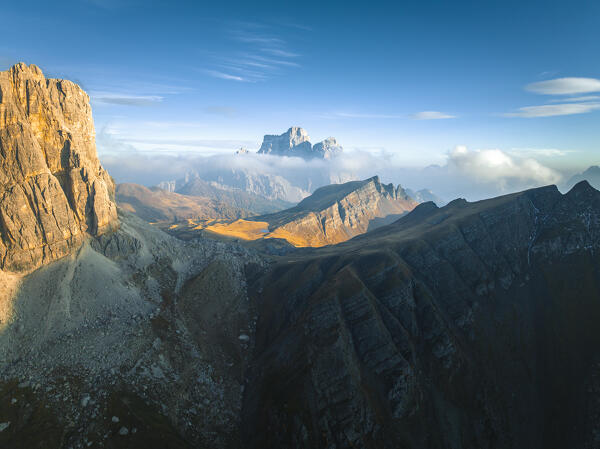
339, 212
53, 189
296, 142
328, 148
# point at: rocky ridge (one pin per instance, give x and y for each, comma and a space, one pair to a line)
53, 190
339, 212
468, 326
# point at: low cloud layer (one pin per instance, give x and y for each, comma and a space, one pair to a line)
471, 174
496, 166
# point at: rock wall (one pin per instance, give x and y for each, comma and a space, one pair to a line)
53, 190
470, 326
337, 213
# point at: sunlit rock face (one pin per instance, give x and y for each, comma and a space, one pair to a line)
339, 212
295, 142
53, 190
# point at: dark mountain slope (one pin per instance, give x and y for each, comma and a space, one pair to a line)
470, 326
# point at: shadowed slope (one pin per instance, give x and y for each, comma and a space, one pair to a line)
471, 326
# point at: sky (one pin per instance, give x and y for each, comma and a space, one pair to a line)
479, 84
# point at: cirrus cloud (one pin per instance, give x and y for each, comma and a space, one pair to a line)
125, 99
565, 86
551, 110
431, 115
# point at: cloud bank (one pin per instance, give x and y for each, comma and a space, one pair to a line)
471, 174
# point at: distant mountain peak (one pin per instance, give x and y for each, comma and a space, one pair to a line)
296, 142
591, 175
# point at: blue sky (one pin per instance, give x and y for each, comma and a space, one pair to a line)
410, 79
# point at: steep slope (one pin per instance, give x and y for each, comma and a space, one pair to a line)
131, 341
470, 326
331, 215
157, 205
132, 338
53, 189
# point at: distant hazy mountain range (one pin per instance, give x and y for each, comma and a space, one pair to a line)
158, 205
591, 175
288, 185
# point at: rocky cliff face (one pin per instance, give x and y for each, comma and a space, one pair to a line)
336, 213
295, 142
53, 190
470, 326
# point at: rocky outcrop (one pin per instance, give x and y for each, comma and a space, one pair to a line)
470, 326
295, 142
53, 190
338, 212
327, 149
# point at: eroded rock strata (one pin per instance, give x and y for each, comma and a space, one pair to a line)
470, 326
339, 212
53, 190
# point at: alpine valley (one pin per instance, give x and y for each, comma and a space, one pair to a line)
244, 310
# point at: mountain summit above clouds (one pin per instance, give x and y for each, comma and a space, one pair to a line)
296, 142
53, 189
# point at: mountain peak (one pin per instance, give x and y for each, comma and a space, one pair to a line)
296, 142
54, 190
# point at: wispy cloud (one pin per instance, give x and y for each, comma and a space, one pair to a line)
334, 115
431, 115
257, 53
540, 152
125, 99
566, 104
552, 110
225, 76
576, 99
279, 52
565, 86
424, 115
